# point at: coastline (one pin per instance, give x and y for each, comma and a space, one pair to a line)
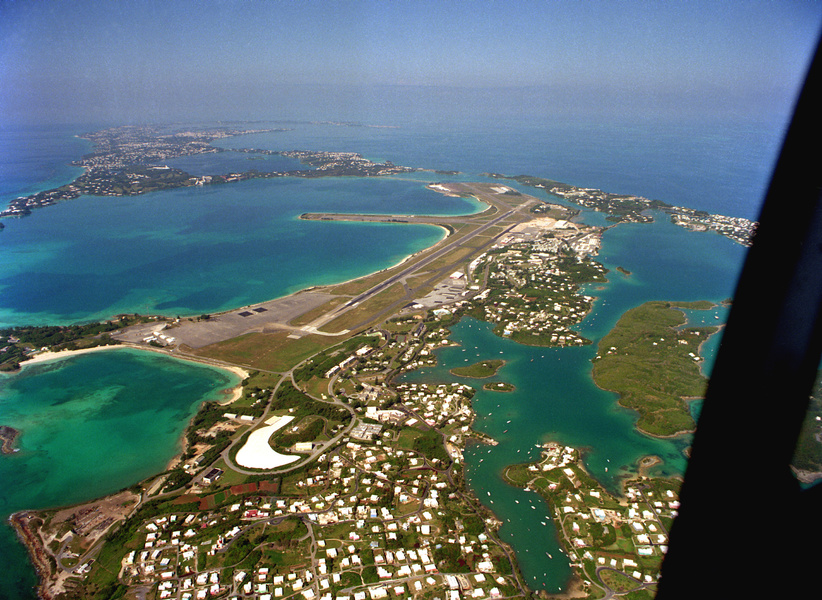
50, 579
51, 355
230, 394
8, 437
20, 522
194, 359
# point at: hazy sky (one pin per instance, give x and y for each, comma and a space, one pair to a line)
147, 59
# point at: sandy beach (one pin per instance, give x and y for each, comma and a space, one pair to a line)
234, 394
50, 355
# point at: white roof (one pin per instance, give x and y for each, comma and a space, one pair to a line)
257, 454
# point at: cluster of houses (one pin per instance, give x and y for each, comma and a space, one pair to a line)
442, 404
629, 208
644, 510
380, 495
348, 361
549, 315
738, 229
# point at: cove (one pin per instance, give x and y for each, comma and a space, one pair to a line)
91, 425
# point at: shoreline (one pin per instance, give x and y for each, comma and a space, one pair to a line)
20, 523
447, 233
8, 437
54, 355
49, 580
231, 394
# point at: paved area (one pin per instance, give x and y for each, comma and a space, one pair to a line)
274, 314
504, 211
445, 292
257, 454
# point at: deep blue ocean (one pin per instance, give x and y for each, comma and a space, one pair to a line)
190, 251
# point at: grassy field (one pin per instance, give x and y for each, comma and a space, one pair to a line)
310, 316
649, 360
372, 306
498, 386
267, 351
482, 369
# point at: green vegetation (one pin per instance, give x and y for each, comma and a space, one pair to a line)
624, 537
652, 362
19, 342
499, 386
319, 365
307, 430
480, 370
288, 397
268, 351
429, 443
537, 304
619, 207
808, 454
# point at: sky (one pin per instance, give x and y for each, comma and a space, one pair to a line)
159, 60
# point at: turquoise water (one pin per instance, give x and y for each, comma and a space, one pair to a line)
34, 159
202, 250
91, 425
190, 251
555, 397
718, 166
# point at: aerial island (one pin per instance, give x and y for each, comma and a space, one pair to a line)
8, 436
130, 160
327, 477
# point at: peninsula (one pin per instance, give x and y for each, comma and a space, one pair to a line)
622, 208
652, 360
129, 161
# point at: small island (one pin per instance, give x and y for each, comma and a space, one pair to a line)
8, 436
499, 386
480, 370
624, 271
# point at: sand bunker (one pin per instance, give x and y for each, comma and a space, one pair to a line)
257, 454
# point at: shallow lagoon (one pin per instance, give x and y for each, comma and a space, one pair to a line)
201, 250
90, 425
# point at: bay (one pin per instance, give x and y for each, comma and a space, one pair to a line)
91, 425
37, 158
194, 250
